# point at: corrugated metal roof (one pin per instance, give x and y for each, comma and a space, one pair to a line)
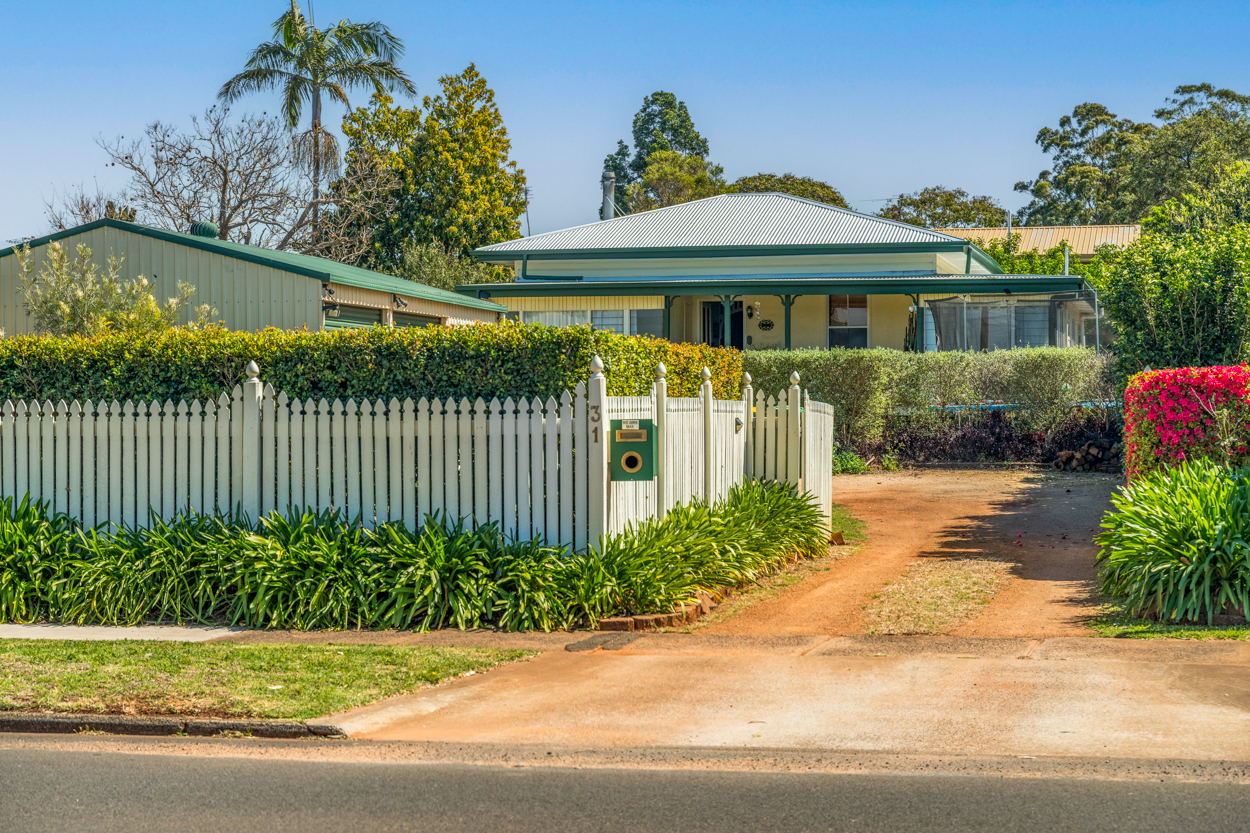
1084, 240
307, 265
728, 220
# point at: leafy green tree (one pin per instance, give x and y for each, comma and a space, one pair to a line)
1204, 131
1050, 261
672, 178
430, 265
940, 207
662, 124
1087, 168
1105, 169
458, 188
304, 63
70, 296
1180, 295
798, 186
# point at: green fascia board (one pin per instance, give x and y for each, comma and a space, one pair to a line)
853, 285
326, 271
736, 251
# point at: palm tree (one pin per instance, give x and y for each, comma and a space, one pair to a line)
304, 62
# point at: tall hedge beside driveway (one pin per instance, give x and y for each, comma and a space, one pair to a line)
483, 360
1189, 413
882, 390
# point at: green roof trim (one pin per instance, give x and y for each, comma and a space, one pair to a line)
783, 285
318, 268
643, 253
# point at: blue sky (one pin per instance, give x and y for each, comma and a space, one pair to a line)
874, 98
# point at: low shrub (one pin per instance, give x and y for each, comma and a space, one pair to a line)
874, 391
319, 571
378, 362
1175, 545
1189, 413
846, 461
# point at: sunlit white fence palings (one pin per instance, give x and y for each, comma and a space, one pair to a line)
537, 467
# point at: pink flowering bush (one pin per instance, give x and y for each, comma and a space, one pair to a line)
1190, 413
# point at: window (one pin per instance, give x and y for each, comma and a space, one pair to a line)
848, 320
608, 319
565, 318
646, 322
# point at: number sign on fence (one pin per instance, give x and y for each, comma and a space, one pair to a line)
537, 467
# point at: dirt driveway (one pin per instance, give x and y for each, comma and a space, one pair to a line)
1042, 525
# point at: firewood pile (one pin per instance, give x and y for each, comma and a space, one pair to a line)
1095, 455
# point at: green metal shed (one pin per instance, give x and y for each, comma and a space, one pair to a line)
250, 287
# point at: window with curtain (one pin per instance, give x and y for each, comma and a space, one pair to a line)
608, 319
557, 318
848, 321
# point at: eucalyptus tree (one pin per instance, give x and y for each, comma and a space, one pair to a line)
304, 63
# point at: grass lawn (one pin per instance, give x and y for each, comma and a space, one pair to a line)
1114, 621
294, 682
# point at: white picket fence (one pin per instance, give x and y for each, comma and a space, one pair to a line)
537, 467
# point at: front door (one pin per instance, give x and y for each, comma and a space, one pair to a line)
714, 324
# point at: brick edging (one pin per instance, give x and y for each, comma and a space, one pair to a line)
117, 724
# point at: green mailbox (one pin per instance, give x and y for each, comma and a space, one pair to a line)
631, 449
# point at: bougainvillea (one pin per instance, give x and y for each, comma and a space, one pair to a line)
1171, 416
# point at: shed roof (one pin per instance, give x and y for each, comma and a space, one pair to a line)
317, 268
725, 221
1084, 240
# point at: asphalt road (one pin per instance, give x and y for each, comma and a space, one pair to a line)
43, 790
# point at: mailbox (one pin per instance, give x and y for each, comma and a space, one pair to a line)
631, 449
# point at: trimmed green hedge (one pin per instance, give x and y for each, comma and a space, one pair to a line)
486, 360
867, 385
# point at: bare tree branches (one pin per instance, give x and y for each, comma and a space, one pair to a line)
79, 206
365, 192
238, 174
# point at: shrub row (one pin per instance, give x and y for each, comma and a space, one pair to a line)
506, 360
321, 572
1175, 544
1171, 416
879, 390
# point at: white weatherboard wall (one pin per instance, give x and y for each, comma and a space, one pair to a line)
536, 467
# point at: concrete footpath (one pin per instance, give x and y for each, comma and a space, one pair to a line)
1064, 696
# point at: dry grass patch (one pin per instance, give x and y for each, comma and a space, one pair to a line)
933, 596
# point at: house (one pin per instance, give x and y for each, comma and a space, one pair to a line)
769, 271
251, 288
1083, 241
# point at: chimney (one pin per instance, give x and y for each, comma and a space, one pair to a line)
609, 194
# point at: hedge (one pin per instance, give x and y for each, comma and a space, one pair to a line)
1189, 413
506, 360
868, 388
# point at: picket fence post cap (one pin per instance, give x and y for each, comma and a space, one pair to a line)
746, 379
661, 371
794, 378
596, 365
252, 370
705, 374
